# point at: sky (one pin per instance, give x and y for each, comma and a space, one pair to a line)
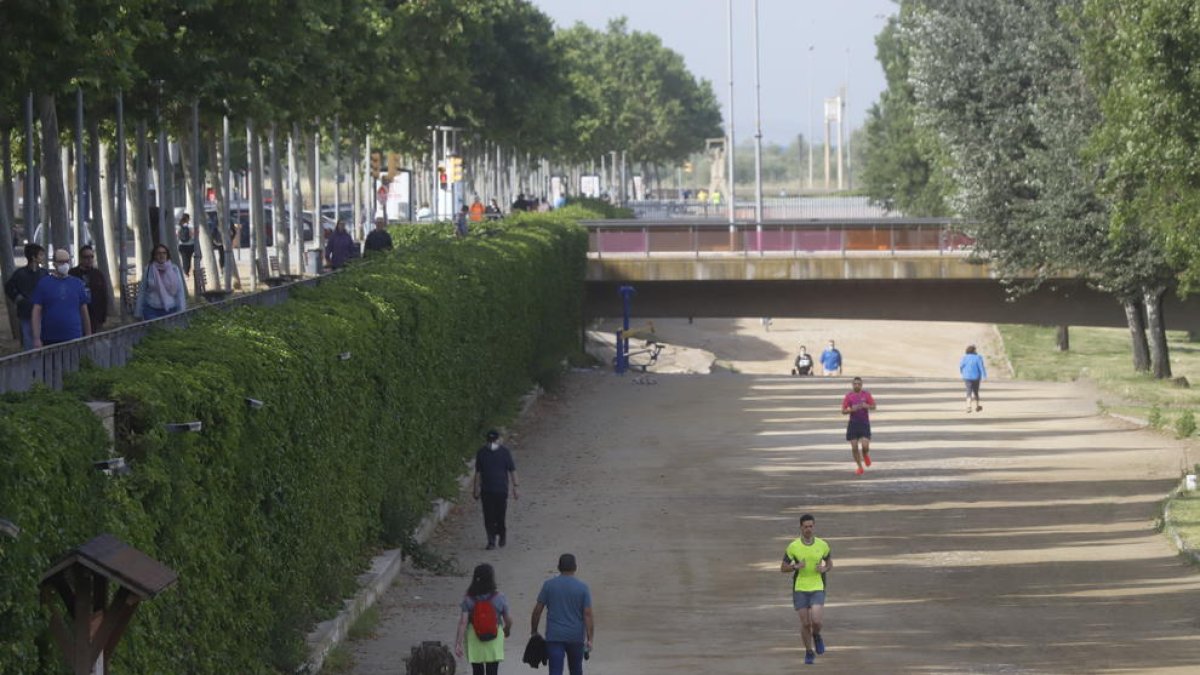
841, 34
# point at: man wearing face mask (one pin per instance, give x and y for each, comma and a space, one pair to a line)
60, 305
494, 468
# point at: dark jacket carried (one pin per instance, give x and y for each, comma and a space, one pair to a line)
535, 652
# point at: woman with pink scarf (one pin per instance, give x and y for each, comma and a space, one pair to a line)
162, 291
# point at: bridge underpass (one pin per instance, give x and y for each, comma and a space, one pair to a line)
891, 268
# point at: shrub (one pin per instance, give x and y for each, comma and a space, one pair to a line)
1185, 425
268, 514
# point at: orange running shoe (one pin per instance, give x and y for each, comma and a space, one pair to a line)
858, 471
867, 459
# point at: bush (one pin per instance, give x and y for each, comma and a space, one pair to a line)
1185, 426
267, 515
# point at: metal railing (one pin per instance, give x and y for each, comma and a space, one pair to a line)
774, 208
110, 348
615, 238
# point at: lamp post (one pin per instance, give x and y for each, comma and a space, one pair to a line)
758, 194
811, 77
731, 144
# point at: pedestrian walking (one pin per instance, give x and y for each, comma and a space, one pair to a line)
831, 360
973, 372
162, 290
379, 240
484, 624
857, 404
340, 247
494, 470
804, 362
60, 305
20, 286
569, 625
808, 560
187, 244
97, 286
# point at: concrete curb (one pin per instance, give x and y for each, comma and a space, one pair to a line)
384, 568
1171, 532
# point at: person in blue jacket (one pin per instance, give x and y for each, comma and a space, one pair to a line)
831, 360
973, 372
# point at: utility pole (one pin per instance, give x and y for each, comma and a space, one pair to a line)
731, 181
758, 193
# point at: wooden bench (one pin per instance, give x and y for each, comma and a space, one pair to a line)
202, 290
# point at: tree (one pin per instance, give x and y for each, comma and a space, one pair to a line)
1002, 84
903, 165
632, 93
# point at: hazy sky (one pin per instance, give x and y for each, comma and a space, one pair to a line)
842, 34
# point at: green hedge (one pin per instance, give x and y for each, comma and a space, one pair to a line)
267, 515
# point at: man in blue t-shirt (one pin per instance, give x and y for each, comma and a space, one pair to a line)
831, 360
569, 625
494, 468
60, 305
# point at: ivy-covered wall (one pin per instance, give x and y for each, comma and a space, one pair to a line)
377, 386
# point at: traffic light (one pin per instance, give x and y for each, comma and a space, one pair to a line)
687, 167
456, 169
442, 176
376, 160
394, 163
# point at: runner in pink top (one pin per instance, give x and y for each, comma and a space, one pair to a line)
858, 404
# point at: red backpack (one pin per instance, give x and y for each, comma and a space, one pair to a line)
485, 619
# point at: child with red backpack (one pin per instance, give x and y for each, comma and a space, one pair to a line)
485, 610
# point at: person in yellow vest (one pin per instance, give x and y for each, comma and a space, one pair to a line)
808, 560
716, 198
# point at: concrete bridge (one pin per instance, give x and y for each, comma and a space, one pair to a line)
881, 268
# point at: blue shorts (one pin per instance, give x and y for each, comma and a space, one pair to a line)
808, 599
856, 430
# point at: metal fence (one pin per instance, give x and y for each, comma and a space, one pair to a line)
774, 208
50, 365
884, 236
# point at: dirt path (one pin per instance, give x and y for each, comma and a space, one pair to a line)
1018, 540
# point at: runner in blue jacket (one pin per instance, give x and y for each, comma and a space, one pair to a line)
973, 372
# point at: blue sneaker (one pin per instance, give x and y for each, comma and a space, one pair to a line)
809, 658
819, 643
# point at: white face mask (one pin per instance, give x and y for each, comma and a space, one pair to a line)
495, 445
62, 268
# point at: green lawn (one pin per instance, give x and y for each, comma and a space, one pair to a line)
1102, 355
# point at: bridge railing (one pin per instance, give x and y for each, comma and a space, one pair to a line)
863, 237
774, 208
50, 365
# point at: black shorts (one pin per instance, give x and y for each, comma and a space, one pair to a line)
972, 388
856, 430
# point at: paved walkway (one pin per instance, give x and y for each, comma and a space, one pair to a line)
1016, 540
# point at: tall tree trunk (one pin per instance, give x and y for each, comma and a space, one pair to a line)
1137, 335
201, 234
101, 240
108, 215
1156, 325
7, 264
52, 168
6, 158
219, 171
143, 238
166, 200
1062, 338
258, 227
279, 202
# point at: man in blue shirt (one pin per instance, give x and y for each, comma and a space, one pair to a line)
60, 305
494, 467
831, 360
569, 625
